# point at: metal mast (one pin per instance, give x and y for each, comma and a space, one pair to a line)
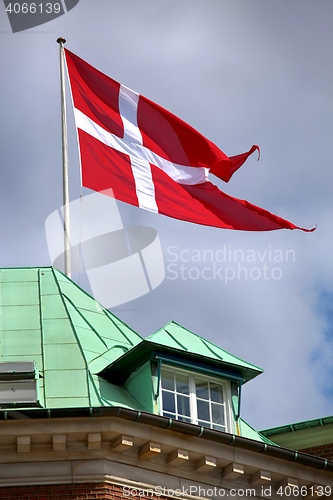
66, 215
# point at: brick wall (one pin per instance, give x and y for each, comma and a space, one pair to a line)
67, 492
325, 451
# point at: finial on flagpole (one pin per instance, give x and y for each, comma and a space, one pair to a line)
61, 40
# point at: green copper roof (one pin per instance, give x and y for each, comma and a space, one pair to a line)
247, 431
177, 345
178, 337
47, 318
304, 434
307, 424
82, 354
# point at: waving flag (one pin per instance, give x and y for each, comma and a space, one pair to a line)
152, 159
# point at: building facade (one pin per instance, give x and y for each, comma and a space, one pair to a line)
89, 409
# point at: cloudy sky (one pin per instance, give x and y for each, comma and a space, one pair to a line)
241, 72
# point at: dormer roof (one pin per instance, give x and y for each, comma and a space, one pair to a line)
81, 353
176, 345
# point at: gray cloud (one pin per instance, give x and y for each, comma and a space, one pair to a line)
242, 73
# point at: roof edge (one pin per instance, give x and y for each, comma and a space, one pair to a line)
174, 426
250, 365
306, 424
126, 364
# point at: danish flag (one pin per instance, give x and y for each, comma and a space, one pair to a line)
152, 159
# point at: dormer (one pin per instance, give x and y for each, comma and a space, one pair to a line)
177, 374
61, 349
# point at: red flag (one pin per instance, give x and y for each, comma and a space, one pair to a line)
152, 159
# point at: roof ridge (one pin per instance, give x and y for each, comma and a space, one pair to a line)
106, 311
205, 342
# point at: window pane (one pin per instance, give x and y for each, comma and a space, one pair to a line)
219, 427
182, 383
204, 424
167, 380
184, 419
183, 403
169, 415
203, 410
201, 388
168, 402
216, 393
218, 414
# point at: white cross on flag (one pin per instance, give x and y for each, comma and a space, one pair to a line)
152, 159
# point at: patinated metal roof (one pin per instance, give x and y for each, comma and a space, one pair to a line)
177, 337
47, 318
73, 340
301, 435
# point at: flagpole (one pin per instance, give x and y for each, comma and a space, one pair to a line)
66, 216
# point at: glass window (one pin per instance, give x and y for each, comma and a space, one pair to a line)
216, 393
203, 410
182, 384
187, 397
175, 395
169, 402
201, 387
168, 380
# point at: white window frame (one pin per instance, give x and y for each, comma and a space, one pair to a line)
226, 390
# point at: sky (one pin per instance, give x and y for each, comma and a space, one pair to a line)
241, 72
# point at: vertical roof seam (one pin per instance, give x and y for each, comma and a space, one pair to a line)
105, 311
85, 320
175, 340
251, 365
125, 349
211, 350
42, 332
109, 315
75, 334
99, 397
